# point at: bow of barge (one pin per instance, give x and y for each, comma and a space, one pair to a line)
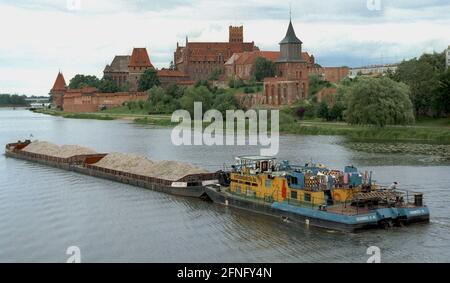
190, 185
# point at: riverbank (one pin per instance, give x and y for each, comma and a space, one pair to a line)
430, 131
101, 115
437, 132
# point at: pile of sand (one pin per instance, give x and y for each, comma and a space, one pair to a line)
50, 149
139, 165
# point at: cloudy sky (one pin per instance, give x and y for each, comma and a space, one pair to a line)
40, 37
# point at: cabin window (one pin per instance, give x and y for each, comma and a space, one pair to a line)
293, 195
268, 183
308, 197
294, 180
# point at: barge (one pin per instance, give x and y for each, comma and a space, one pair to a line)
313, 195
192, 185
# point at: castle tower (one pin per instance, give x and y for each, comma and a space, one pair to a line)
290, 47
58, 91
236, 34
139, 63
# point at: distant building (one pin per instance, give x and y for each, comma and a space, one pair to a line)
58, 90
126, 71
447, 57
333, 74
374, 70
139, 63
88, 99
168, 77
118, 70
292, 73
199, 60
243, 65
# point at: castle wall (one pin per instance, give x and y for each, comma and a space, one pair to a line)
78, 102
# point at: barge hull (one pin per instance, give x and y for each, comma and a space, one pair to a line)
298, 219
193, 191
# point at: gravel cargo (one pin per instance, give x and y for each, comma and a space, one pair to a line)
139, 165
50, 149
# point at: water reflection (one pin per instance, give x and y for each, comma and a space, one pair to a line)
44, 210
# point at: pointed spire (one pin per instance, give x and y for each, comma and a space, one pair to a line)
60, 83
291, 37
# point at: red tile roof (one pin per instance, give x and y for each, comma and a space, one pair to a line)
60, 83
140, 58
170, 73
246, 58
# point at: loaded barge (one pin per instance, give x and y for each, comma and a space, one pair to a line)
190, 185
314, 195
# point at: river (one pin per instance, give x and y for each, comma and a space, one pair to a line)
43, 210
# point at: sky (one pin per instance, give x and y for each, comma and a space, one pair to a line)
40, 37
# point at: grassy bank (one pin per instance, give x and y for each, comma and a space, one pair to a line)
424, 131
92, 116
417, 133
163, 122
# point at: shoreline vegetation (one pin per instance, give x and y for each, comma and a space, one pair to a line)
428, 131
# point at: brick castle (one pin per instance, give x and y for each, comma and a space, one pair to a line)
198, 61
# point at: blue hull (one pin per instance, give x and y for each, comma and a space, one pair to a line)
323, 219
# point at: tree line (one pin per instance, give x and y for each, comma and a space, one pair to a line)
166, 101
13, 100
107, 85
419, 88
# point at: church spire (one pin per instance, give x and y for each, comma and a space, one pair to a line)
290, 46
291, 37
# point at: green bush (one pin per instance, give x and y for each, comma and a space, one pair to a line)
378, 101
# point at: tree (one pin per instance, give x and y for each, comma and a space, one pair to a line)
421, 75
160, 102
323, 111
441, 97
336, 112
264, 69
196, 94
81, 81
175, 91
225, 101
12, 100
148, 80
108, 85
235, 82
421, 79
378, 101
215, 74
316, 84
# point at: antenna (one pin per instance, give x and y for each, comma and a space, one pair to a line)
290, 11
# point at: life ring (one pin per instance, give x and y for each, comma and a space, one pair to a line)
337, 197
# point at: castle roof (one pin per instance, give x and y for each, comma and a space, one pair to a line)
60, 83
171, 73
248, 58
119, 64
291, 37
140, 58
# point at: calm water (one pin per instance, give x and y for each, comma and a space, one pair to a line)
43, 210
